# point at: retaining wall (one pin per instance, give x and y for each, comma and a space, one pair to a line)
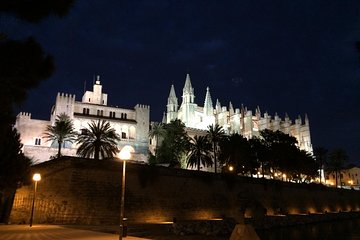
86, 191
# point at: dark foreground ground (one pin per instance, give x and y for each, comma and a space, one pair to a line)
51, 232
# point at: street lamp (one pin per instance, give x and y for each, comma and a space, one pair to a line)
231, 168
36, 178
125, 154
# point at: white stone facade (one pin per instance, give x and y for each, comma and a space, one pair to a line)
238, 120
131, 124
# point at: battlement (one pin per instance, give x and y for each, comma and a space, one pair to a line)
65, 95
142, 106
24, 115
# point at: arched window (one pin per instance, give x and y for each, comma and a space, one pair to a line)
132, 132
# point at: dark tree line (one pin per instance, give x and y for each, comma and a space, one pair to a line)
273, 153
24, 65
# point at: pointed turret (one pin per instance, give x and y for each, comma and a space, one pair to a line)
172, 99
164, 118
258, 112
231, 109
208, 106
188, 91
306, 120
298, 121
218, 106
188, 107
172, 105
188, 88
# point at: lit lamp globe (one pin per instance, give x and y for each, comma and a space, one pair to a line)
37, 177
125, 153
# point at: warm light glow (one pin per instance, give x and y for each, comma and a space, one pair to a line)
350, 182
284, 175
125, 153
275, 174
36, 177
231, 168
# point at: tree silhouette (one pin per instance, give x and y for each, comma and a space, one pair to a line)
281, 147
235, 151
23, 66
320, 154
61, 132
337, 159
98, 140
215, 134
14, 170
262, 153
175, 144
199, 153
157, 131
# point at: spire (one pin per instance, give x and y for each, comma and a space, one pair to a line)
172, 104
276, 117
208, 106
218, 106
188, 91
300, 120
172, 95
188, 88
306, 119
164, 118
231, 109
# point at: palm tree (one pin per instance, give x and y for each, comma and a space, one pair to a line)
199, 154
337, 158
62, 131
157, 130
215, 134
320, 154
99, 139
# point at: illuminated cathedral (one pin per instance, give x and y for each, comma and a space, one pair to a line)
232, 120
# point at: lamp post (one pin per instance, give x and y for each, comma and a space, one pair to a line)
124, 155
36, 178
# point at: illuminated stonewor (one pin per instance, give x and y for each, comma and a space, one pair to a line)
131, 124
238, 120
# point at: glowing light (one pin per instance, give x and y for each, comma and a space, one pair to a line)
36, 177
125, 153
231, 168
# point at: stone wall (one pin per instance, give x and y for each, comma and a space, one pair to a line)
85, 191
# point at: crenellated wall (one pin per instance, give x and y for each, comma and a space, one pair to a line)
85, 191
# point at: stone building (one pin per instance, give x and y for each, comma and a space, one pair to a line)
348, 177
131, 124
233, 120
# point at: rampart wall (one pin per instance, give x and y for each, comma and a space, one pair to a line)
85, 191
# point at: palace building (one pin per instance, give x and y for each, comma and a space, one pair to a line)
131, 124
233, 120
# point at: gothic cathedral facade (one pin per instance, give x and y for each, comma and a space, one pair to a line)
232, 120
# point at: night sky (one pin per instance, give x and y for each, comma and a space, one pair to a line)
292, 57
